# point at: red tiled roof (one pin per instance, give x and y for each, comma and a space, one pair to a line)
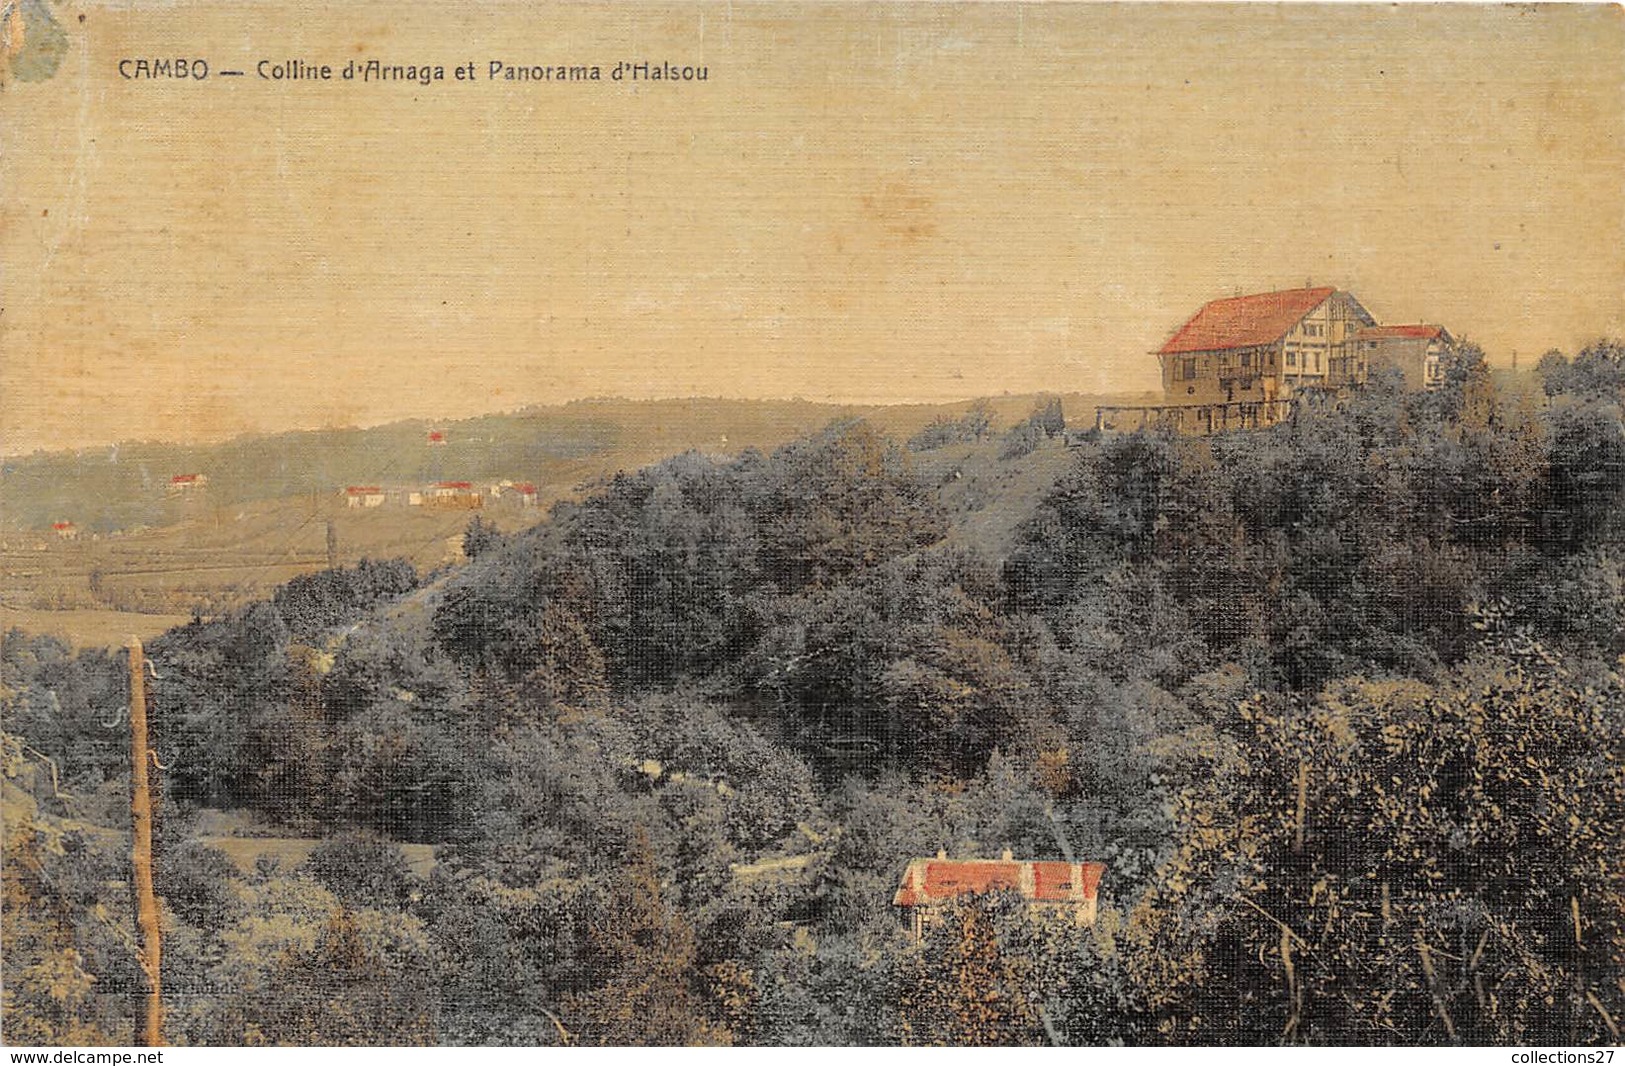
1065, 880
184, 479
525, 488
1243, 321
61, 525
364, 490
1416, 332
436, 436
453, 484
933, 880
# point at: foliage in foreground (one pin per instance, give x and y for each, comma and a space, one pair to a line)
1338, 703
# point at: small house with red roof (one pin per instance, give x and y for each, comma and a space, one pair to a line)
65, 530
364, 496
452, 496
1264, 347
1415, 350
187, 484
515, 493
1058, 889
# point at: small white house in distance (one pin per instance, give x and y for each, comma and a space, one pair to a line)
452, 496
187, 484
362, 496
515, 493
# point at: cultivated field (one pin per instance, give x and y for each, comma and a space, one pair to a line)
250, 532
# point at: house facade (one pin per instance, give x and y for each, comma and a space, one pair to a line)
1245, 362
514, 493
1264, 347
1414, 350
451, 496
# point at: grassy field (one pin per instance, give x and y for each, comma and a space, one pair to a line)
90, 629
220, 558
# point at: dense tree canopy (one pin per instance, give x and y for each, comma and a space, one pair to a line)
1337, 702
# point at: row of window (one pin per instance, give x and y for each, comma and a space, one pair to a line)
1188, 371
1188, 368
1347, 367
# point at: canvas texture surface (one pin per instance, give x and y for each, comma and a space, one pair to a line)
953, 524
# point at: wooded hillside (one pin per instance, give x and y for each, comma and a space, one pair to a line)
1339, 704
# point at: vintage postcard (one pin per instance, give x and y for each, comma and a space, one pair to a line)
812, 524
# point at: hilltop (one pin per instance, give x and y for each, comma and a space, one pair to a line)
143, 557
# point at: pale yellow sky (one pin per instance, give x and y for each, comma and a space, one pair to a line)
862, 203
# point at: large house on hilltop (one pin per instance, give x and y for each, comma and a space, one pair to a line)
1242, 361
1263, 347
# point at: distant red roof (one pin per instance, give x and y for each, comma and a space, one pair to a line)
525, 488
185, 479
1416, 332
60, 526
436, 437
929, 881
453, 484
1243, 321
364, 490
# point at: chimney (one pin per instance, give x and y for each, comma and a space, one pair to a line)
942, 853
1006, 856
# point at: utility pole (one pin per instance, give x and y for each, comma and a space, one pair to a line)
150, 952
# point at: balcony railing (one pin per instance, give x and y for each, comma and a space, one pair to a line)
1195, 418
